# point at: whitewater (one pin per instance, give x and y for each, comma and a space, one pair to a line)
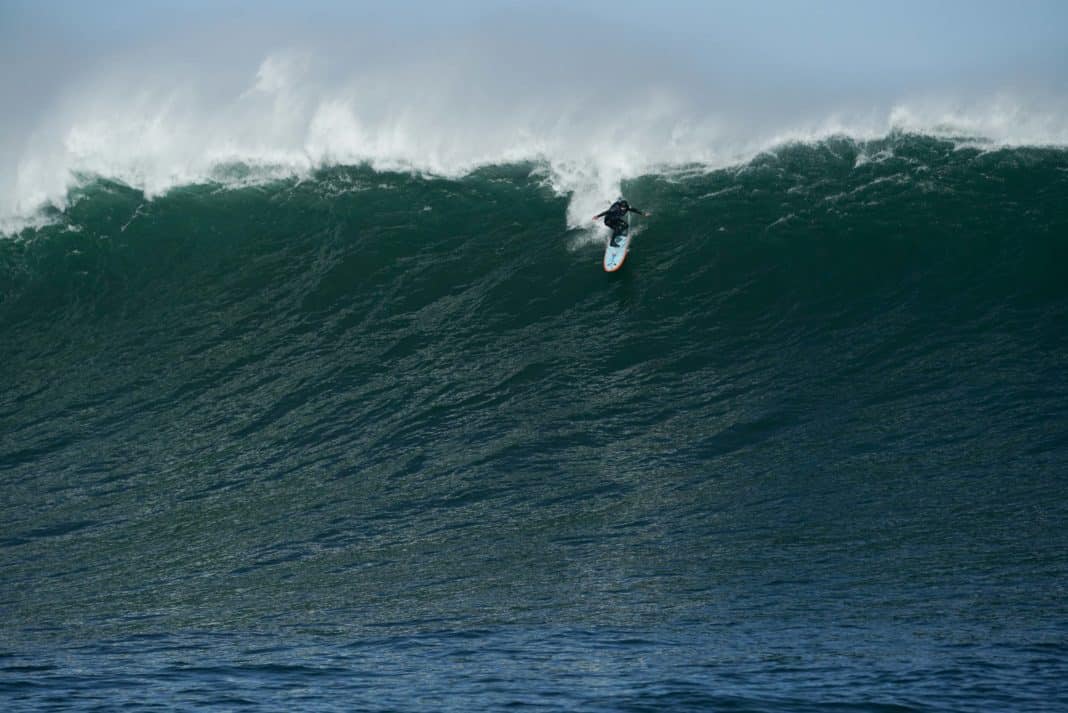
298, 111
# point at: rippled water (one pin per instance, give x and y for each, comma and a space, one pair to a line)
382, 442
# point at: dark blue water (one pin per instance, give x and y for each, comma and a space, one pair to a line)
383, 442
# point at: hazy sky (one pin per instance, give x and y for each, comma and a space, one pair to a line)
843, 40
843, 46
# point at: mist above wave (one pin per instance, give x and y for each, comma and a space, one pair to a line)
592, 119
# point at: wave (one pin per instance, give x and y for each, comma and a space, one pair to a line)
902, 200
292, 118
307, 361
835, 365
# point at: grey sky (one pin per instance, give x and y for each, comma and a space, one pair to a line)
844, 48
838, 39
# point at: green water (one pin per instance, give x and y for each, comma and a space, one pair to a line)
382, 441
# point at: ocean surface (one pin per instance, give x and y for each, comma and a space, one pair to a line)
364, 440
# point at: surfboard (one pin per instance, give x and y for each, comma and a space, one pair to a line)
615, 255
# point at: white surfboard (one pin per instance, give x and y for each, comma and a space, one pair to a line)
615, 255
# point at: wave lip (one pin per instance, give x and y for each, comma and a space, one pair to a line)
289, 121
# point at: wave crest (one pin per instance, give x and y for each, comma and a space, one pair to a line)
290, 118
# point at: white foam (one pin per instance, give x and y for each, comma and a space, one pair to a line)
155, 130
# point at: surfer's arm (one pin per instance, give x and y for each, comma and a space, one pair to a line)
600, 215
638, 211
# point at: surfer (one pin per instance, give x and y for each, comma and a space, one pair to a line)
614, 218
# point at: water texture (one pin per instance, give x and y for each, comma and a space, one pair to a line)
379, 441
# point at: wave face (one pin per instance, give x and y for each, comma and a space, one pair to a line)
400, 439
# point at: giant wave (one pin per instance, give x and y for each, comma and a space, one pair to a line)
377, 412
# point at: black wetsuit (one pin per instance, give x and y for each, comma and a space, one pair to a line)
615, 218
